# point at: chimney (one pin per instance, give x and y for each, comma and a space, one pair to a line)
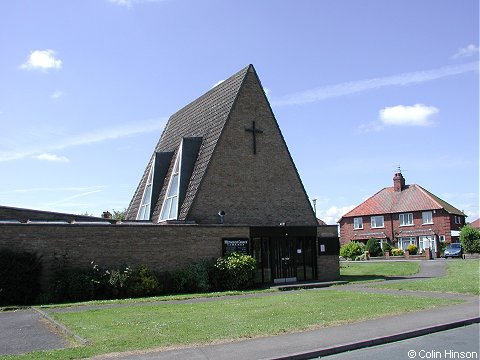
398, 182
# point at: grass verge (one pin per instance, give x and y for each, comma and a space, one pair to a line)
462, 277
148, 326
374, 271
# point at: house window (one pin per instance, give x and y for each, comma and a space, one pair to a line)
458, 220
376, 221
144, 210
406, 219
358, 223
427, 242
427, 217
170, 204
404, 242
441, 238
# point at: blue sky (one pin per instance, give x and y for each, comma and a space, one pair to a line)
357, 87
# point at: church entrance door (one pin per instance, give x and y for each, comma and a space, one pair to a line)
284, 253
284, 264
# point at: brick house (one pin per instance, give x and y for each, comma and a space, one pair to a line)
221, 178
402, 215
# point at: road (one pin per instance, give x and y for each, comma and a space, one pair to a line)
460, 343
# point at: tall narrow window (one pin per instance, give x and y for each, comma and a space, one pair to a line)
170, 204
144, 210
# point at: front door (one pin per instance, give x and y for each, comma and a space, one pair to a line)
284, 260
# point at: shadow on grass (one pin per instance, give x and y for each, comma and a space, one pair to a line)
368, 278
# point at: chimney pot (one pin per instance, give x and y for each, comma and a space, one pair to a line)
398, 182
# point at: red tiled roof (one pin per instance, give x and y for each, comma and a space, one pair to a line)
475, 224
411, 198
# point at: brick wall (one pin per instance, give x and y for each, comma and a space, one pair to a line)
162, 248
328, 266
255, 189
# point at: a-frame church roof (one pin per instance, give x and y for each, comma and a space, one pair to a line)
192, 134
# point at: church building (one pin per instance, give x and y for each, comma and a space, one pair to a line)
222, 159
220, 179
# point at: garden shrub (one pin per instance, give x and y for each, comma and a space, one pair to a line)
387, 247
19, 277
413, 249
373, 247
234, 271
362, 257
72, 285
470, 239
192, 278
145, 282
396, 252
351, 250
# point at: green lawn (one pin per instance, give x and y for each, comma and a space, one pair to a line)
462, 277
370, 271
149, 326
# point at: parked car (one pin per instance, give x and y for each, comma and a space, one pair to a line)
454, 250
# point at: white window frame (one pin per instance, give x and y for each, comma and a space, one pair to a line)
458, 220
144, 209
427, 217
170, 202
357, 223
373, 222
427, 241
404, 242
406, 219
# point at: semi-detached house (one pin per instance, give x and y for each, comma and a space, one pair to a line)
402, 215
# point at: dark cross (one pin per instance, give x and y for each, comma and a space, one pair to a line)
254, 132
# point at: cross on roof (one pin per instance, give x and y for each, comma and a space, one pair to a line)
254, 132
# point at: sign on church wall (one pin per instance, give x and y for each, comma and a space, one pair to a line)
239, 245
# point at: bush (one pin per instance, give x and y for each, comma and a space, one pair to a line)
72, 285
19, 277
234, 271
362, 257
387, 247
192, 278
145, 282
470, 239
351, 250
396, 252
373, 247
412, 249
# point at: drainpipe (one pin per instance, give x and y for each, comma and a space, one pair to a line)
391, 223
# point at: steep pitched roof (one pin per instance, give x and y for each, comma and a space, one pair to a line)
411, 198
205, 117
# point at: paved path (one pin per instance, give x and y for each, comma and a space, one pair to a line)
24, 331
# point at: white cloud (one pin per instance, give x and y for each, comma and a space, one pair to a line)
21, 151
57, 94
51, 157
347, 88
42, 60
401, 115
470, 50
333, 213
130, 3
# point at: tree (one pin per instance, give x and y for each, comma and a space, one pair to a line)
119, 215
470, 239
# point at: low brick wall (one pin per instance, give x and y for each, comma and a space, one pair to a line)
162, 248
